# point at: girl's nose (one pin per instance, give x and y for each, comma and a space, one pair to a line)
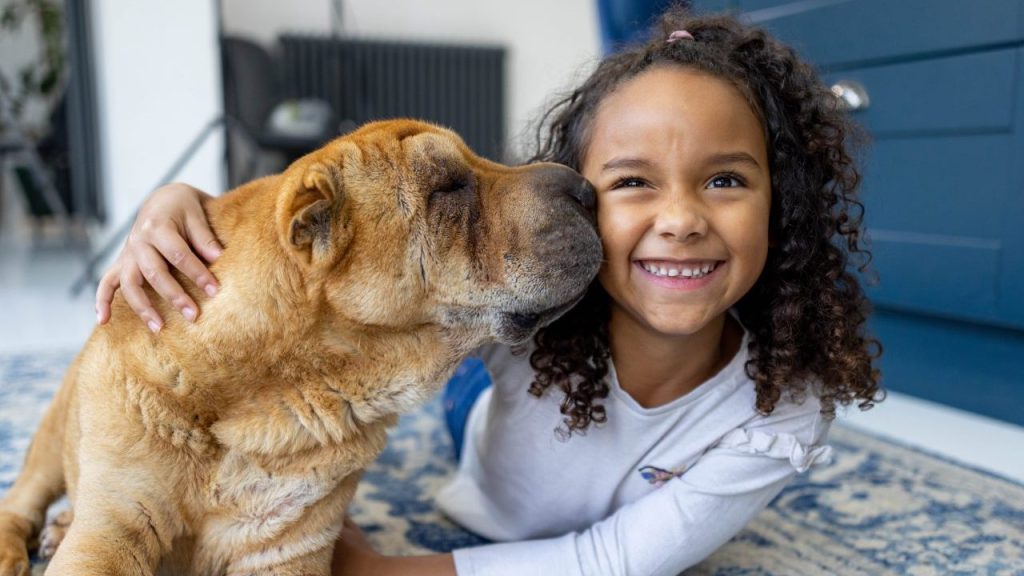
681, 218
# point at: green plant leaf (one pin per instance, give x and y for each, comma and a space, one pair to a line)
9, 17
42, 76
27, 76
48, 82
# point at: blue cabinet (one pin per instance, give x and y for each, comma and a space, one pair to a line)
851, 33
943, 181
938, 180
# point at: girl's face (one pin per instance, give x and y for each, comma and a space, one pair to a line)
683, 193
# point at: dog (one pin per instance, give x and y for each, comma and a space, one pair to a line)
352, 284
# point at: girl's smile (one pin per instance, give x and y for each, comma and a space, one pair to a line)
688, 275
680, 164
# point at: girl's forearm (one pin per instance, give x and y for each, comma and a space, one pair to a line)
432, 565
372, 564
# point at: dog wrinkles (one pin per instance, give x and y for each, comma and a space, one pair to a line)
157, 416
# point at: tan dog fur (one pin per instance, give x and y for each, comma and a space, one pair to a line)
352, 284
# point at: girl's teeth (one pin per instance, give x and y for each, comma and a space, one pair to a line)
682, 271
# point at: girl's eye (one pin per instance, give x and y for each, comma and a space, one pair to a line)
629, 182
725, 181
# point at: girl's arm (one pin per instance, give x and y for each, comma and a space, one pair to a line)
686, 519
663, 533
171, 228
354, 556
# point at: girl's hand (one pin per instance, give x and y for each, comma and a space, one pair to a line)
353, 554
170, 225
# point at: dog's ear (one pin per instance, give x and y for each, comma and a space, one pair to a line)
319, 224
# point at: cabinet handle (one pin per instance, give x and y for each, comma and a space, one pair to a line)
852, 95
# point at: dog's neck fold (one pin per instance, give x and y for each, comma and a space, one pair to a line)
265, 344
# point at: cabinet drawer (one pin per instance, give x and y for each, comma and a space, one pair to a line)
969, 93
938, 177
934, 212
940, 275
953, 186
843, 33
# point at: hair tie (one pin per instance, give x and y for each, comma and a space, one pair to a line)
679, 35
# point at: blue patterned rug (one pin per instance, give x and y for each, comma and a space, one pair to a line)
880, 508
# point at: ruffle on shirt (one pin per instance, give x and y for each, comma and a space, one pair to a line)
782, 446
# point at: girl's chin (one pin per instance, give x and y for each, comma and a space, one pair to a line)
674, 325
679, 329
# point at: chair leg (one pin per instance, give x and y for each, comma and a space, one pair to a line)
250, 167
3, 181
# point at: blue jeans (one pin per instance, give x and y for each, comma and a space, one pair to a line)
461, 392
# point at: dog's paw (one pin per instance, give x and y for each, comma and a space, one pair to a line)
53, 534
13, 557
13, 549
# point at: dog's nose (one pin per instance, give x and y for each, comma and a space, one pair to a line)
567, 181
584, 194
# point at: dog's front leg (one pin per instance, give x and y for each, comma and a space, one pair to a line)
117, 538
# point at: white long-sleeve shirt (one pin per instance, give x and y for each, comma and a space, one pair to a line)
651, 491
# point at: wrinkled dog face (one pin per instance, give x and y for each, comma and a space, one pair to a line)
473, 245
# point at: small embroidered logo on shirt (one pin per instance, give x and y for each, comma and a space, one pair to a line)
656, 476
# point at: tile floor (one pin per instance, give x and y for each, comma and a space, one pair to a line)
39, 313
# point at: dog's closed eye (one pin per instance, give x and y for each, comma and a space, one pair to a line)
452, 193
453, 185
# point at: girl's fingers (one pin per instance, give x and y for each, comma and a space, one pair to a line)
176, 251
154, 270
131, 288
197, 228
170, 220
105, 293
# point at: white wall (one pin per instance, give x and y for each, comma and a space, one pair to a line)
158, 83
551, 43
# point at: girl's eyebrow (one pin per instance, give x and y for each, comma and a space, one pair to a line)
732, 158
625, 162
634, 163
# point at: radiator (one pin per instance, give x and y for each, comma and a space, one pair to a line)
461, 87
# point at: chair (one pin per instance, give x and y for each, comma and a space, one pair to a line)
252, 92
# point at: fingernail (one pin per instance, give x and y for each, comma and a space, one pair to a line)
211, 290
99, 317
153, 326
189, 314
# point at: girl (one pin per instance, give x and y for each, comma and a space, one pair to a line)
648, 425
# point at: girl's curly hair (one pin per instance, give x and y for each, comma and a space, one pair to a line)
806, 313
